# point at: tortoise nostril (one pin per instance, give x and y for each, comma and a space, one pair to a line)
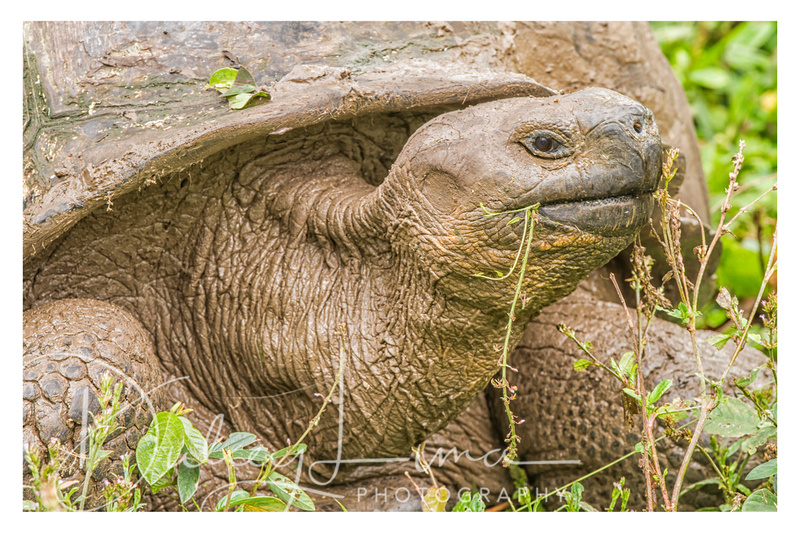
637, 127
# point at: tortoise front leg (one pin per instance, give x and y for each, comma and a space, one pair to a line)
68, 345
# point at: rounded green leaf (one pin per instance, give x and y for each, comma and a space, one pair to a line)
261, 504
762, 471
223, 79
159, 449
286, 489
236, 441
761, 501
259, 454
195, 442
658, 391
732, 418
236, 495
294, 449
581, 364
188, 475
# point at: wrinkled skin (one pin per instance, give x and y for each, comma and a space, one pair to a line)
243, 269
579, 415
565, 55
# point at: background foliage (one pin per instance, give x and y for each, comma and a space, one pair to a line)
729, 71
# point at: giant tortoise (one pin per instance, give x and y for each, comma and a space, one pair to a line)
213, 256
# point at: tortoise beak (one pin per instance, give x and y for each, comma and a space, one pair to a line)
614, 196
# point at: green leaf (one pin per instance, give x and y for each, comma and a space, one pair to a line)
28, 505
574, 496
745, 381
236, 495
760, 501
101, 454
241, 100
470, 503
476, 505
188, 476
286, 489
639, 448
258, 504
658, 391
632, 393
435, 500
195, 442
223, 79
239, 89
159, 449
731, 450
763, 471
676, 410
236, 441
711, 481
463, 502
263, 504
751, 444
294, 449
581, 364
167, 480
259, 454
732, 418
719, 341
627, 362
681, 312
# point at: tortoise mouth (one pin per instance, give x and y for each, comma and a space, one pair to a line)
610, 215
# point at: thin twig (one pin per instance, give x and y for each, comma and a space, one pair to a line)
767, 275
704, 408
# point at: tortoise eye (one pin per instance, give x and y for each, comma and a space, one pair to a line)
542, 143
546, 144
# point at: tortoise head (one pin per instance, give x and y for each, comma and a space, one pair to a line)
459, 190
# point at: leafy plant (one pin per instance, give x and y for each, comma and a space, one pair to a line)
171, 437
753, 422
48, 486
729, 73
238, 86
509, 391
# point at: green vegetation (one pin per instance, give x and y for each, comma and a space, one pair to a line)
238, 86
171, 437
738, 425
49, 488
729, 71
170, 455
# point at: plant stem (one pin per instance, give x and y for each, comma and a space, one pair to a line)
226, 454
530, 222
704, 408
743, 337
